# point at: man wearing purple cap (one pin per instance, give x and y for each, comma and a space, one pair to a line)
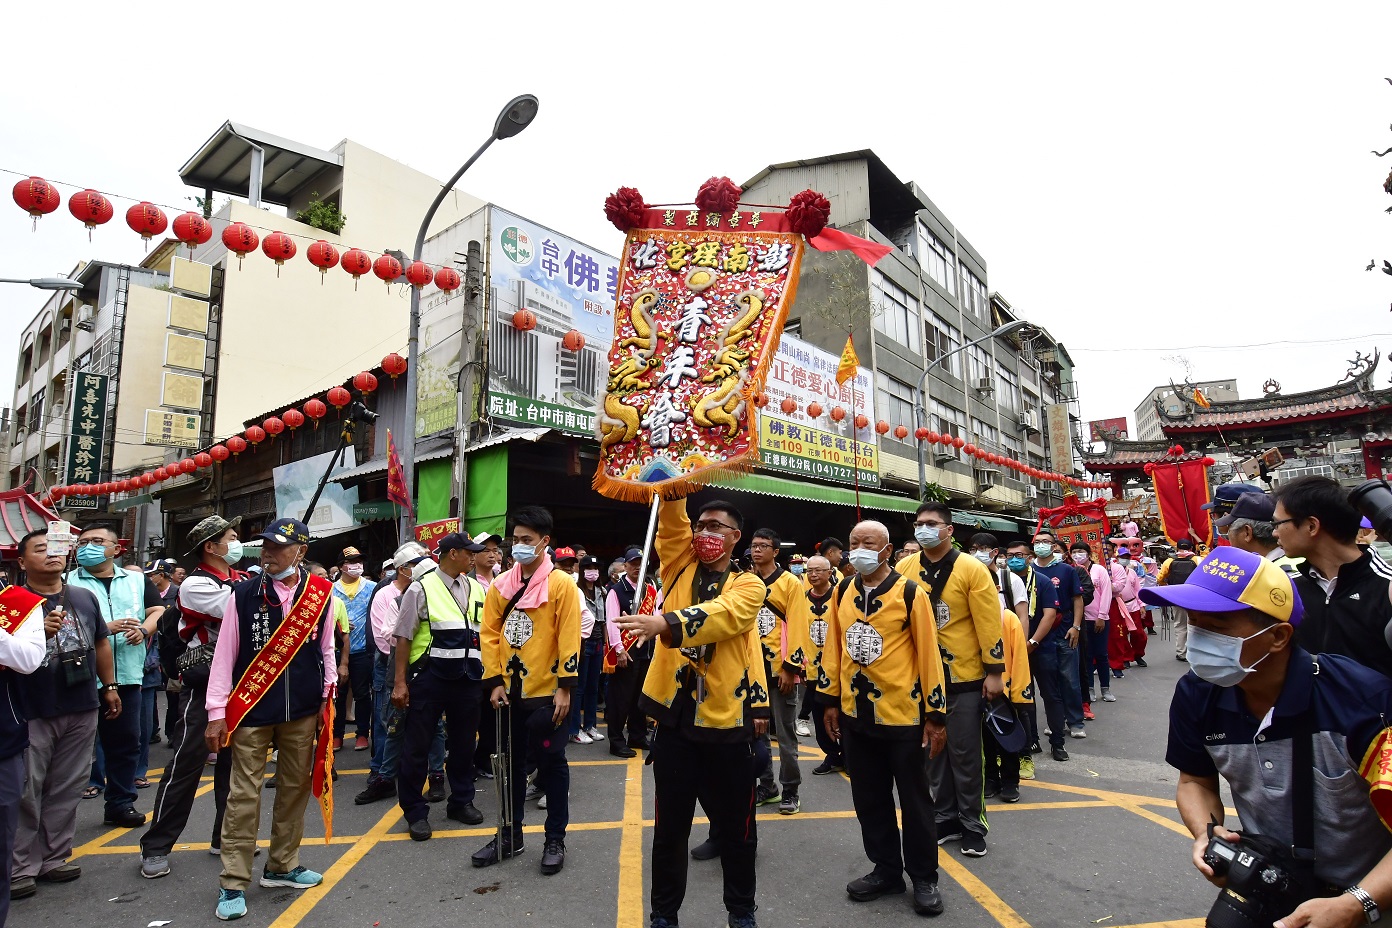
1259, 710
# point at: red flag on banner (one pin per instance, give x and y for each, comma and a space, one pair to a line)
1181, 490
397, 491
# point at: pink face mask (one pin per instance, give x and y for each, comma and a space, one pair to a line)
1080, 557
708, 547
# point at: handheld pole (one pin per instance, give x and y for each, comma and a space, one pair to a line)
647, 547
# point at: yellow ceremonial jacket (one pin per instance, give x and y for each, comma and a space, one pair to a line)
967, 617
1019, 686
540, 647
818, 611
783, 624
880, 662
714, 650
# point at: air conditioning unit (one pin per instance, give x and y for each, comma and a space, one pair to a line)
1029, 420
944, 454
65, 326
84, 318
989, 478
984, 386
1031, 492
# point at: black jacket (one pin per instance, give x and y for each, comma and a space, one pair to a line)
1356, 620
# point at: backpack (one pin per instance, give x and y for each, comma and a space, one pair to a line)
168, 642
1180, 570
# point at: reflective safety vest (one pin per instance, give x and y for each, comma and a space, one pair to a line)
450, 639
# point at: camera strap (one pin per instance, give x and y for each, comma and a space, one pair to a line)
1303, 787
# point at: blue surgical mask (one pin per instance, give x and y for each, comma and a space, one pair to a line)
286, 573
90, 555
1044, 551
928, 536
524, 554
234, 553
865, 560
797, 570
1217, 658
1015, 563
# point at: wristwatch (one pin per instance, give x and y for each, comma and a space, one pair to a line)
1033, 642
1370, 908
111, 688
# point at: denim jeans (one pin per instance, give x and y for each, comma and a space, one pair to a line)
1068, 683
584, 705
383, 678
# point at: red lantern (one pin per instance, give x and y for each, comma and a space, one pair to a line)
240, 239
203, 459
161, 474
338, 398
419, 274
280, 248
789, 405
255, 434
958, 441
293, 418
761, 399
573, 340
394, 364
969, 448
448, 280
148, 480
387, 269
192, 229
930, 436
861, 422
57, 492
315, 409
37, 197
882, 427
837, 414
219, 453
91, 209
365, 382
814, 410
901, 432
148, 220
323, 256
524, 320
357, 263
273, 425
187, 466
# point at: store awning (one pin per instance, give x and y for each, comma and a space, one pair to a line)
984, 520
379, 466
20, 514
506, 435
768, 485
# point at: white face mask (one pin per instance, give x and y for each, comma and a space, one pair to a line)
1217, 658
928, 536
865, 560
352, 570
982, 556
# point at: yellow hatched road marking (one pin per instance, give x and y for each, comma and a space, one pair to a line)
306, 901
630, 896
994, 905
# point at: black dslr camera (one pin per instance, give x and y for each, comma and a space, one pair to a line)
1265, 882
1373, 500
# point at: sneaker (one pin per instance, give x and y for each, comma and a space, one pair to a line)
926, 898
1010, 793
874, 885
1118, 674
552, 856
595, 734
1140, 662
826, 767
541, 804
483, 773
338, 744
581, 737
741, 921
436, 792
1059, 755
1079, 732
361, 744
1087, 713
803, 728
533, 792
1048, 731
231, 904
992, 789
790, 804
1182, 657
299, 878
1107, 696
152, 868
377, 788
973, 844
766, 795
1036, 749
421, 830
1092, 696
949, 831
706, 850
23, 887
487, 855
1027, 768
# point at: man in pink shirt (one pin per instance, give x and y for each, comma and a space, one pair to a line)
285, 712
1095, 616
626, 684
487, 560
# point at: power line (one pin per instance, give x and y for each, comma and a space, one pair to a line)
1298, 343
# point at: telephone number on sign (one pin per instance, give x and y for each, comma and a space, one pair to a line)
815, 452
823, 469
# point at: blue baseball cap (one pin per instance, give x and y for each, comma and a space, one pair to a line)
286, 532
1228, 493
1230, 580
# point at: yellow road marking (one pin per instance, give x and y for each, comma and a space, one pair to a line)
1179, 923
96, 845
630, 895
1127, 801
306, 901
994, 905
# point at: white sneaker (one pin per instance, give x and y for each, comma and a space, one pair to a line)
804, 728
581, 738
1107, 696
595, 734
1077, 732
541, 803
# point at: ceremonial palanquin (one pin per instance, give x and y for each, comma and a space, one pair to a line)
1078, 520
703, 294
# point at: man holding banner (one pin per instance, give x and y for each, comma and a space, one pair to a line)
273, 676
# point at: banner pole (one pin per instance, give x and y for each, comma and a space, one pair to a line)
647, 548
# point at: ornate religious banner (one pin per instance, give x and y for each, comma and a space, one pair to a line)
1181, 490
1078, 520
703, 294
17, 605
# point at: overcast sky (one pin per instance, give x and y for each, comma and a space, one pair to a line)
1150, 186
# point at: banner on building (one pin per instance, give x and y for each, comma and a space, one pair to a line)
1060, 438
296, 482
818, 438
86, 435
430, 533
1108, 429
1181, 490
1079, 520
700, 309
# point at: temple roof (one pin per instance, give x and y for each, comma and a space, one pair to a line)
20, 514
1133, 455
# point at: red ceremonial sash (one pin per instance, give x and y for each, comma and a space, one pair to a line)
16, 605
322, 781
628, 639
275, 655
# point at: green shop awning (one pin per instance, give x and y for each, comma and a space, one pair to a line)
768, 485
984, 520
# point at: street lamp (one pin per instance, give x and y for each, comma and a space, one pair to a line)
45, 283
920, 396
515, 116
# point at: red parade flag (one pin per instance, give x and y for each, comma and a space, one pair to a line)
1181, 489
396, 478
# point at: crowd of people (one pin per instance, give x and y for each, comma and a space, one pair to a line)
917, 669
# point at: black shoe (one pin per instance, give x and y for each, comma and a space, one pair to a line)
644, 745
125, 818
992, 789
23, 887
155, 738
377, 788
706, 850
926, 898
741, 921
552, 856
766, 795
436, 793
1036, 748
487, 855
826, 767
466, 814
619, 749
949, 831
1059, 753
1140, 662
1010, 794
874, 885
973, 844
421, 831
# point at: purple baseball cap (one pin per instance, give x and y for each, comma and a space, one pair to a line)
1230, 580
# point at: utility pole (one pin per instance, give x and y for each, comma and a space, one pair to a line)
471, 373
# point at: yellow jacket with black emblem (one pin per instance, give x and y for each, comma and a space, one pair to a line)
966, 612
880, 663
538, 647
1019, 685
818, 611
783, 624
709, 680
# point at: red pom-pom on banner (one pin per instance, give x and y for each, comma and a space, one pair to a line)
624, 208
808, 213
718, 195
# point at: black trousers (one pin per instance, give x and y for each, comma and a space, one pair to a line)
621, 710
360, 680
433, 696
1000, 766
120, 742
174, 798
829, 745
173, 713
721, 777
487, 732
878, 767
538, 743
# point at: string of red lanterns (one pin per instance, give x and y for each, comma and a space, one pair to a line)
312, 409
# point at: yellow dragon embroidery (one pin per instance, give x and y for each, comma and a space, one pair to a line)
723, 407
627, 375
617, 423
731, 358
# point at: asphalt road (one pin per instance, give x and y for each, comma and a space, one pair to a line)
1094, 841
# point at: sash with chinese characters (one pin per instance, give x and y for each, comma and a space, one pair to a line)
321, 784
702, 299
628, 639
270, 662
16, 606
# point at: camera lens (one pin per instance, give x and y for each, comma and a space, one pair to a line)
1374, 500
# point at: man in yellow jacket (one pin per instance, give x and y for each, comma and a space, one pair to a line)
531, 662
783, 632
707, 690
